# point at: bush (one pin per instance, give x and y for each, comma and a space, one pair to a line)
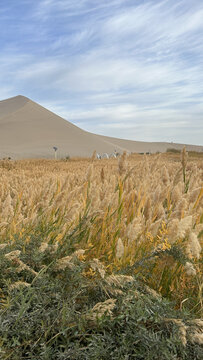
67, 311
172, 150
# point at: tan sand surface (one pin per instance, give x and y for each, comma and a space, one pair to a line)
28, 130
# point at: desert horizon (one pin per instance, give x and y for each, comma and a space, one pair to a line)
28, 130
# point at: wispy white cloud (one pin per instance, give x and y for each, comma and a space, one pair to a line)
121, 67
74, 8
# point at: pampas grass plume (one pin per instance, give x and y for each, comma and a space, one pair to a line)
119, 249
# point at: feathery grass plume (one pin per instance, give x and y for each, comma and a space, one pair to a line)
119, 280
18, 284
65, 262
102, 175
113, 291
184, 226
193, 195
154, 227
194, 171
189, 268
182, 329
165, 176
198, 230
13, 255
176, 193
184, 157
196, 337
79, 254
146, 167
199, 200
96, 265
4, 223
2, 246
96, 197
163, 195
122, 163
53, 248
133, 230
152, 292
160, 211
147, 209
181, 208
157, 192
68, 261
177, 177
182, 332
130, 185
193, 248
173, 230
195, 331
8, 207
94, 155
22, 266
196, 322
43, 247
119, 249
101, 309
89, 174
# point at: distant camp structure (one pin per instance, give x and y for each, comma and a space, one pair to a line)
115, 154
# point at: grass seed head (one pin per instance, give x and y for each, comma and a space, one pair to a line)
119, 249
13, 254
184, 157
193, 248
102, 308
19, 284
122, 163
189, 268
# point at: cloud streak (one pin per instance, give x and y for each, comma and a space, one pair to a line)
126, 68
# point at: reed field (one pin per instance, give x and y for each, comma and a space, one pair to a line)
101, 259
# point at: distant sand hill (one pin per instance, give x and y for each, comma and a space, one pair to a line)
28, 130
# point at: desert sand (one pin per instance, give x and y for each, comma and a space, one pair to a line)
28, 130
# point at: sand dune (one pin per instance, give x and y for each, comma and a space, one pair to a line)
28, 130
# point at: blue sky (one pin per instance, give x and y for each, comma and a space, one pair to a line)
126, 68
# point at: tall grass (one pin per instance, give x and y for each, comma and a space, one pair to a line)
98, 221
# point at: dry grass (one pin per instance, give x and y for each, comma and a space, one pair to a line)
140, 215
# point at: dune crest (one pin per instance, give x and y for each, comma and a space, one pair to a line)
28, 130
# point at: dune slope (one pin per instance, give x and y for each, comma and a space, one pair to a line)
28, 130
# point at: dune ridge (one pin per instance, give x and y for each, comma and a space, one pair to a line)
28, 130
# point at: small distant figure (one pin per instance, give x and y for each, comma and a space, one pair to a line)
55, 151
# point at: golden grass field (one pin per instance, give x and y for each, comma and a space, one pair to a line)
139, 215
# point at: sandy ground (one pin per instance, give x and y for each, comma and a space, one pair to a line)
27, 130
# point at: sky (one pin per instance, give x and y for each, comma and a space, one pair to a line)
131, 69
